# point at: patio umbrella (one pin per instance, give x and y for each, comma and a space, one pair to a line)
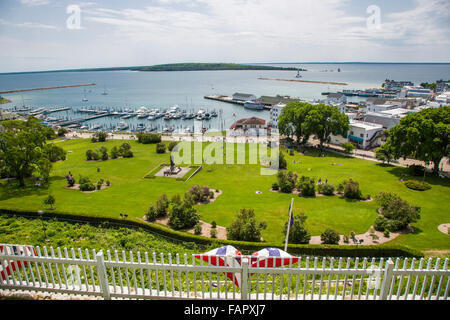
227, 256
271, 257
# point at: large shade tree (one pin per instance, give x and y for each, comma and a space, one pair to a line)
325, 120
291, 122
22, 148
423, 136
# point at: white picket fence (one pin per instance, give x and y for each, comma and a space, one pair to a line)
116, 275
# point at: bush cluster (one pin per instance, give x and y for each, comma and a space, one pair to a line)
199, 194
287, 181
418, 185
245, 227
397, 214
326, 189
148, 138
86, 184
160, 148
124, 151
330, 236
307, 187
99, 137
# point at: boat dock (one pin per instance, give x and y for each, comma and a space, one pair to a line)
66, 123
48, 111
228, 99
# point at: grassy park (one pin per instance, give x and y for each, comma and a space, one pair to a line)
131, 194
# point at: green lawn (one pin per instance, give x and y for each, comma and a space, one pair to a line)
131, 194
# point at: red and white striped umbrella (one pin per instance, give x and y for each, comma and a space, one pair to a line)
7, 267
227, 256
272, 257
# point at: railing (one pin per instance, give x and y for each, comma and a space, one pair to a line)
135, 276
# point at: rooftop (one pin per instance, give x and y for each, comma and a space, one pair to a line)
365, 125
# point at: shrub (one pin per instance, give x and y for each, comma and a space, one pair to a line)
200, 194
326, 189
95, 156
108, 183
386, 233
297, 232
275, 186
340, 188
62, 132
148, 138
99, 137
282, 162
418, 185
99, 185
160, 148
346, 239
211, 194
87, 186
213, 225
213, 233
50, 201
89, 155
287, 181
172, 145
162, 206
351, 190
348, 147
307, 186
103, 151
127, 154
245, 227
330, 236
198, 229
183, 215
114, 153
152, 214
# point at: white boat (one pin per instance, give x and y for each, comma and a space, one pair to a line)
122, 126
298, 74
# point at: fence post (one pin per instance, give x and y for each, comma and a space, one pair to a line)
244, 279
388, 272
101, 273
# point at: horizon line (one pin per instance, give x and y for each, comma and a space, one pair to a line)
87, 69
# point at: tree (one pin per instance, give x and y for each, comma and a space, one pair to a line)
183, 215
160, 148
307, 187
348, 147
297, 232
282, 162
291, 121
324, 120
54, 153
385, 153
245, 227
62, 132
99, 137
423, 136
50, 201
330, 236
287, 181
22, 146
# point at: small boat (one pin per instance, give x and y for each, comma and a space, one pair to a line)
167, 117
298, 74
142, 116
96, 127
122, 126
214, 114
207, 116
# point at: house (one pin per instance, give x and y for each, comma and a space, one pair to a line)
336, 98
365, 135
244, 97
249, 127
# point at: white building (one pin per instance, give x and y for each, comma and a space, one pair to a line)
410, 91
335, 98
275, 114
244, 97
365, 134
444, 98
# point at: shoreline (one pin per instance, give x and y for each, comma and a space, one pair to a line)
307, 81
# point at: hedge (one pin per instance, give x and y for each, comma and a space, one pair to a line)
308, 250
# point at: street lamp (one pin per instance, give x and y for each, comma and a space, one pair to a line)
41, 213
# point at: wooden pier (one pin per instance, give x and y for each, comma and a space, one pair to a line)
80, 120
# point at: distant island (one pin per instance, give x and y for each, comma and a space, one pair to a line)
4, 100
174, 67
212, 67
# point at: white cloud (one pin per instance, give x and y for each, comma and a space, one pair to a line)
34, 3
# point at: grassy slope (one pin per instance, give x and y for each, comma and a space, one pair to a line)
133, 195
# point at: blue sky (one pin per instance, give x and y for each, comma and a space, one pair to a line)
34, 33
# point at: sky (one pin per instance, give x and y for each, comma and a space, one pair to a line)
40, 35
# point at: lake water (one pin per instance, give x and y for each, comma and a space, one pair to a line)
187, 89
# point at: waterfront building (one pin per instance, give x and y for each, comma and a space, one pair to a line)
443, 99
365, 135
336, 98
392, 85
244, 97
409, 91
249, 127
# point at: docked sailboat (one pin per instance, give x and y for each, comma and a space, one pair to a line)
122, 126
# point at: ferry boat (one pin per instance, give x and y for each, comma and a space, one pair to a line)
253, 105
